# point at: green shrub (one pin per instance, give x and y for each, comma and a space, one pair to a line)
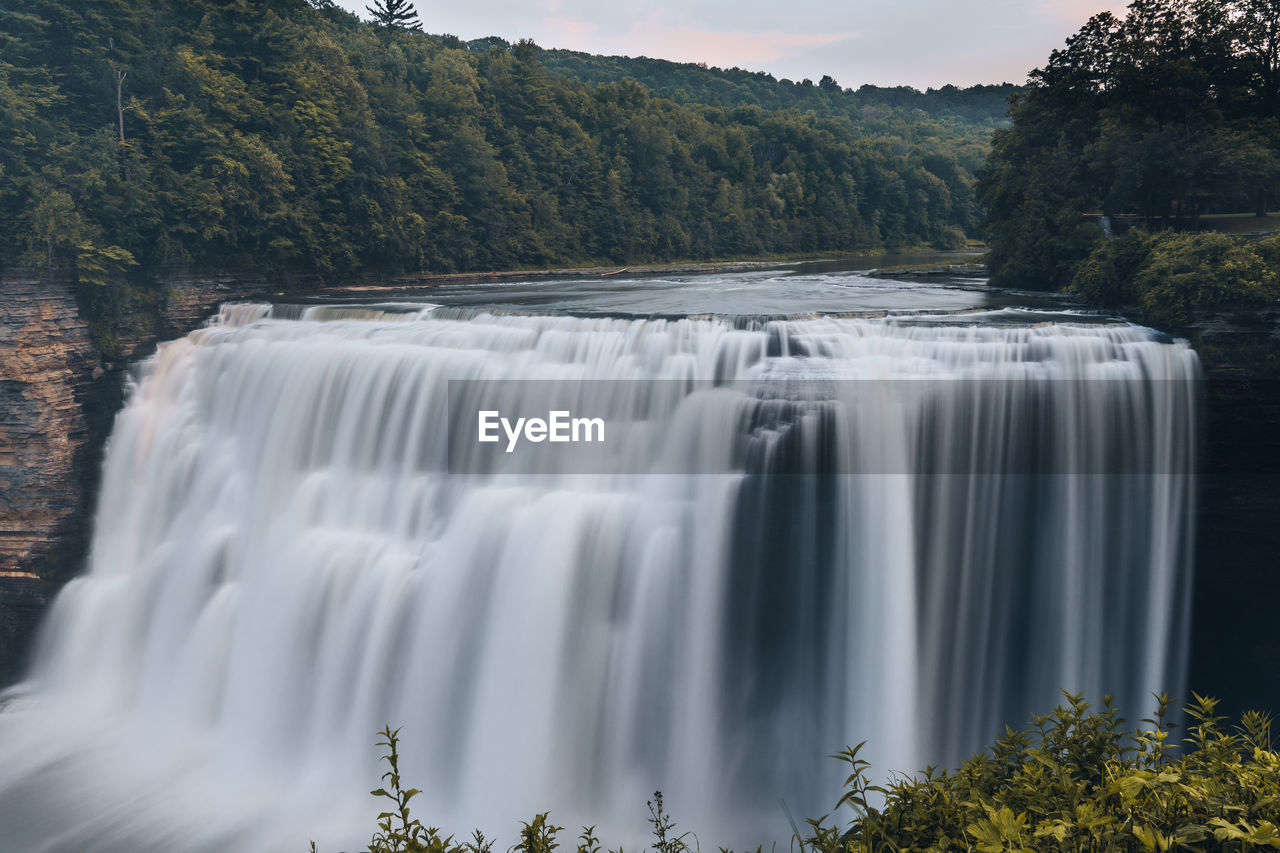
1188, 271
1170, 275
1077, 780
1106, 277
949, 238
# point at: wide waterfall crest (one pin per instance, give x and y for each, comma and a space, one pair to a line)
281, 565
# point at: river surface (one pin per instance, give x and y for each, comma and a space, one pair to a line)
828, 287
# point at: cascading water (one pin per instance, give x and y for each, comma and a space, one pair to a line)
282, 564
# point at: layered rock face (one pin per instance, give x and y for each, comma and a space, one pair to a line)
47, 363
193, 296
46, 360
57, 403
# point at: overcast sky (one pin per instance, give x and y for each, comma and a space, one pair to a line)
919, 43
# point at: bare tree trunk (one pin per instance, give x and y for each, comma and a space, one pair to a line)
120, 75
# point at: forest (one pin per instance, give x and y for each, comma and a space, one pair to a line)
1159, 118
292, 137
690, 82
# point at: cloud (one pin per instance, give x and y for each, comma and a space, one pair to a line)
1078, 11
918, 42
725, 48
560, 30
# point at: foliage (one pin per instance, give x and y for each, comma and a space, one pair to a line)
1166, 114
399, 14
398, 831
1170, 275
1077, 780
1107, 276
1190, 270
899, 111
290, 136
665, 839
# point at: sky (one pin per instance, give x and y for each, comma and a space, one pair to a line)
919, 43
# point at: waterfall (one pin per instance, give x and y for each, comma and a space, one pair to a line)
283, 562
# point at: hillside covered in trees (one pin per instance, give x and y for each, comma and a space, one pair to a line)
1165, 115
695, 83
291, 136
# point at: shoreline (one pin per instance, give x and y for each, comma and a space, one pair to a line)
428, 281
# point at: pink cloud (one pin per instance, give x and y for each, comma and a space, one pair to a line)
566, 32
1079, 11
660, 39
732, 48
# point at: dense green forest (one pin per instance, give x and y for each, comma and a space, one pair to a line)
1165, 115
944, 121
695, 83
291, 136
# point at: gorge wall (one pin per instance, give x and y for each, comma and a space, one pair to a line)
58, 398
1235, 655
47, 366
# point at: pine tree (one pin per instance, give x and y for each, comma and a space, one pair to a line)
398, 14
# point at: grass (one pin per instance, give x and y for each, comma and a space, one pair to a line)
1240, 223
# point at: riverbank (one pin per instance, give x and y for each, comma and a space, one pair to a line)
413, 282
429, 280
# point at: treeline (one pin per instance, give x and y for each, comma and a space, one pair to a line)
695, 83
287, 135
951, 119
1168, 113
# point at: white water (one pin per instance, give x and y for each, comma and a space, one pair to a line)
281, 566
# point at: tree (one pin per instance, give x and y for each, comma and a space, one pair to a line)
395, 14
309, 145
1259, 24
1166, 114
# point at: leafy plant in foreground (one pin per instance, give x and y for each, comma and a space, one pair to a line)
399, 832
664, 838
1077, 780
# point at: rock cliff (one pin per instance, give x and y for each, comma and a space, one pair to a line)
57, 402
